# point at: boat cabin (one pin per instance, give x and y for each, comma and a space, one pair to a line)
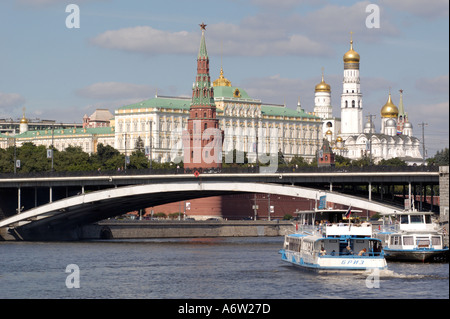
416, 221
333, 247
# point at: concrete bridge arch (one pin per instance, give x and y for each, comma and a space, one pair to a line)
64, 216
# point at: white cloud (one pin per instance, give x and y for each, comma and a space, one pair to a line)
434, 85
333, 23
43, 3
10, 100
116, 90
427, 9
145, 39
242, 40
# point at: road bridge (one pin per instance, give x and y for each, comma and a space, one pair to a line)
54, 206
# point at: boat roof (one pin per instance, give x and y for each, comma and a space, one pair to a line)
415, 212
314, 238
327, 211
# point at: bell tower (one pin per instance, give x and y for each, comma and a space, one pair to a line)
351, 98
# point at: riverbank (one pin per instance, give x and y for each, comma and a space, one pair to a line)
140, 229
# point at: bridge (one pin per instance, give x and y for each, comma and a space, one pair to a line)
54, 206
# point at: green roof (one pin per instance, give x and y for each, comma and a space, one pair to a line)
228, 92
69, 131
178, 103
284, 111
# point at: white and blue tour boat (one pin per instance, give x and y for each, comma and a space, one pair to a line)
413, 236
330, 245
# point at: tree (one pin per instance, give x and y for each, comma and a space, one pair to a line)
298, 161
440, 159
340, 161
33, 158
392, 162
138, 160
139, 144
72, 159
363, 161
107, 158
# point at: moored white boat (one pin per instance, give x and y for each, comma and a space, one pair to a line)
334, 246
414, 237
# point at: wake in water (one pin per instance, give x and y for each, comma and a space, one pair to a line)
387, 274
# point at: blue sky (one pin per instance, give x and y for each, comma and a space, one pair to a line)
125, 51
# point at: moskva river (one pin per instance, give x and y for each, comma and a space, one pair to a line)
201, 268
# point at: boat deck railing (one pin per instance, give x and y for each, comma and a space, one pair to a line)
351, 255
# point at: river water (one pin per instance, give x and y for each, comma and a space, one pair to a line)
201, 268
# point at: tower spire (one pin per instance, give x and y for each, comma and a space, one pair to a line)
202, 52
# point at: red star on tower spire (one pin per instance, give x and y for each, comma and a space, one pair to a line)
203, 26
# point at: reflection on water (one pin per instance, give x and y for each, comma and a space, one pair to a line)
195, 268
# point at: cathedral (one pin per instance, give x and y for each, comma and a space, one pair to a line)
347, 134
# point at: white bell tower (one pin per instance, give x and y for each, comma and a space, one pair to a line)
351, 98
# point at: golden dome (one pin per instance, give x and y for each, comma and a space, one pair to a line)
221, 81
389, 109
329, 132
339, 139
24, 119
351, 56
322, 86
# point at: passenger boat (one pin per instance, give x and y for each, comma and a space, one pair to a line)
413, 237
332, 245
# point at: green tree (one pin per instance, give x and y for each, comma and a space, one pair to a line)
139, 144
441, 158
72, 159
107, 158
341, 161
138, 160
363, 161
392, 162
298, 161
33, 158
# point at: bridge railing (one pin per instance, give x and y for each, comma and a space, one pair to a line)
252, 169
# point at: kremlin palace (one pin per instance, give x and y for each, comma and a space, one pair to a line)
248, 124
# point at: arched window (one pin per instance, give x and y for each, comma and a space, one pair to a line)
353, 103
346, 103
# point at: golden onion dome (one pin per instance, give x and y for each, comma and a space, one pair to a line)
339, 139
221, 81
322, 86
389, 109
329, 132
351, 56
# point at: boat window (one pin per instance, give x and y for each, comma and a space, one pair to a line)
395, 240
423, 242
428, 219
408, 240
404, 219
436, 240
416, 219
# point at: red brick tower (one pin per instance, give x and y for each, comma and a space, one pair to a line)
202, 141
